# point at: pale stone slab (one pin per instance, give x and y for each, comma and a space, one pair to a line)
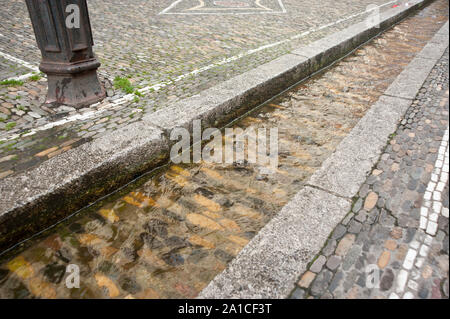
270, 264
347, 168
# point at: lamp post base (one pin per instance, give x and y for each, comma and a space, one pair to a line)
75, 85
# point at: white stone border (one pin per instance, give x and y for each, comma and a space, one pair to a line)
19, 61
429, 213
22, 63
432, 206
166, 11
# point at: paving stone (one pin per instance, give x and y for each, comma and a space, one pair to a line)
347, 219
387, 280
390, 244
329, 248
410, 232
384, 258
318, 264
361, 217
333, 262
321, 283
386, 219
354, 227
370, 201
358, 205
306, 279
423, 293
361, 280
397, 233
372, 217
351, 257
298, 294
345, 244
336, 281
339, 231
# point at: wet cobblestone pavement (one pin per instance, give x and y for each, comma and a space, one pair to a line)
170, 234
394, 242
9, 69
151, 59
148, 50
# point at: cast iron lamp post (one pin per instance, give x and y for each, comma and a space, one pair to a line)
64, 36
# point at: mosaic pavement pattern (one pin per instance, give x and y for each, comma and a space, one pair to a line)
222, 7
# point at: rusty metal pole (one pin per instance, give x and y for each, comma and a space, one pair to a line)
64, 36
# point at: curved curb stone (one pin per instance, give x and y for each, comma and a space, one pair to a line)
34, 200
270, 264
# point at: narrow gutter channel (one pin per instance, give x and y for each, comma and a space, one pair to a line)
168, 234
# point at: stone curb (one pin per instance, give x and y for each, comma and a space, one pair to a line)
34, 200
347, 168
270, 264
338, 173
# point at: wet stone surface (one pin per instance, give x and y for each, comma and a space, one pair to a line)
156, 57
401, 212
155, 47
9, 69
169, 235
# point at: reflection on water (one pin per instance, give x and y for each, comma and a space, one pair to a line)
169, 235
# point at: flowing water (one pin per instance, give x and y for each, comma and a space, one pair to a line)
170, 233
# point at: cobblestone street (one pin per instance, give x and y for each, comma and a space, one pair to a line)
158, 59
169, 235
398, 226
348, 200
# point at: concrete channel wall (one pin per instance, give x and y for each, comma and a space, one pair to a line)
36, 199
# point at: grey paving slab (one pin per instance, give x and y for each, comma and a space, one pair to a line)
444, 30
270, 263
433, 50
347, 168
440, 38
411, 79
223, 102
